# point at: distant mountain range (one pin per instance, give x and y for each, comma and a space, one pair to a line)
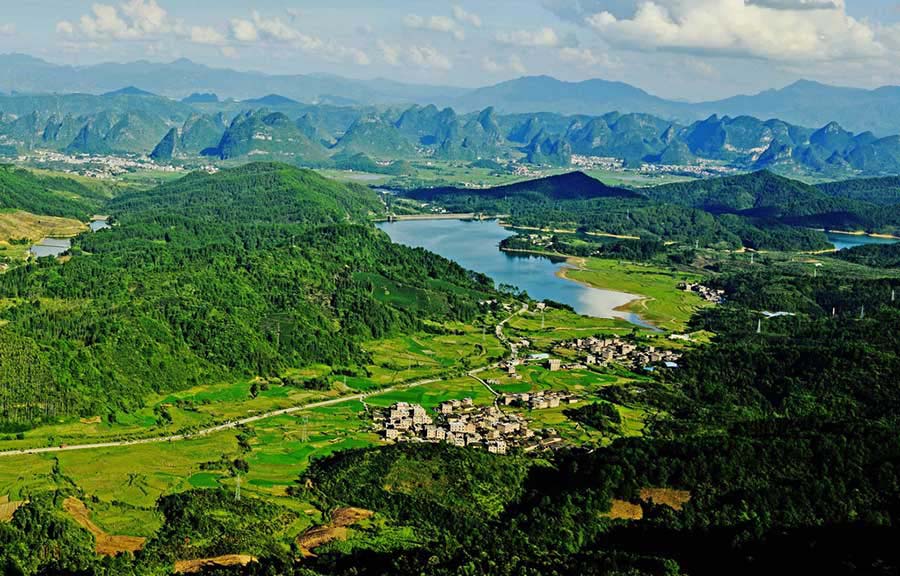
276, 127
803, 103
178, 79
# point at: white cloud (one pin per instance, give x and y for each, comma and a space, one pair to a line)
65, 28
274, 31
390, 53
799, 4
583, 57
428, 57
229, 52
516, 65
513, 64
443, 24
543, 37
7, 29
464, 17
243, 30
488, 64
207, 35
755, 29
132, 20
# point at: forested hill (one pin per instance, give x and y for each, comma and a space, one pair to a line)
884, 191
261, 193
767, 195
570, 186
247, 272
759, 193
46, 195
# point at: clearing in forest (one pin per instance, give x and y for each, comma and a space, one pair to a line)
106, 544
201, 564
7, 508
624, 510
341, 519
674, 499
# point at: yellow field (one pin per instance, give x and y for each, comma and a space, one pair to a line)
19, 224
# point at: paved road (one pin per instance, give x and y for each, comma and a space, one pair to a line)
249, 420
207, 431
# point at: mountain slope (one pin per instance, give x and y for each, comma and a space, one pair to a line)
46, 195
884, 191
546, 94
214, 277
571, 186
757, 194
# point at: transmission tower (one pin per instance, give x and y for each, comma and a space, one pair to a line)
304, 429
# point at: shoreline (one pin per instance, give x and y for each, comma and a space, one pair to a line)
565, 231
576, 263
859, 233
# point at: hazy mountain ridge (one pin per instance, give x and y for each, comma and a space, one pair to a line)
132, 120
804, 102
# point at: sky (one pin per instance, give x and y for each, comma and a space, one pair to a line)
681, 49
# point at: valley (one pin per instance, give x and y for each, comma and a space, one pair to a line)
305, 324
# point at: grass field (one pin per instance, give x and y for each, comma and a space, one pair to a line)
663, 304
421, 356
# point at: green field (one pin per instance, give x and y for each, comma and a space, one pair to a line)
122, 493
662, 304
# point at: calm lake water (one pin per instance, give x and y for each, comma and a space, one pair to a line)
475, 246
98, 225
51, 247
845, 241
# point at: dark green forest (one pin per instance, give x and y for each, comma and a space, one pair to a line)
783, 429
240, 273
761, 210
47, 195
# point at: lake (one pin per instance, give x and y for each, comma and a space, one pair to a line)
845, 241
51, 247
98, 225
475, 245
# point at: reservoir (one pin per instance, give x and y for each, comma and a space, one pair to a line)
98, 225
845, 241
51, 247
474, 245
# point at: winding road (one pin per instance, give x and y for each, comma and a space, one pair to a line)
251, 419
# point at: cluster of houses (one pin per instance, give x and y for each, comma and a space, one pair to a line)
541, 400
705, 292
598, 351
458, 422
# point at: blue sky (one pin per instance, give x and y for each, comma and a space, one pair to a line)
689, 49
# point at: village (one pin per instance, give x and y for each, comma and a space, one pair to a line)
705, 292
463, 423
601, 351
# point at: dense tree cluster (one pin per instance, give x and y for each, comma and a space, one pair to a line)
245, 272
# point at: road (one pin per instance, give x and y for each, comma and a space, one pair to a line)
250, 419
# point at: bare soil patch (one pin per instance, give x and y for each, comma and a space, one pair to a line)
674, 499
623, 510
106, 544
341, 519
8, 508
192, 566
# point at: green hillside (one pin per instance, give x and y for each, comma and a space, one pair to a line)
46, 195
245, 272
884, 191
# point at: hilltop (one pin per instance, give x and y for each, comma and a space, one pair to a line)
46, 195
570, 186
